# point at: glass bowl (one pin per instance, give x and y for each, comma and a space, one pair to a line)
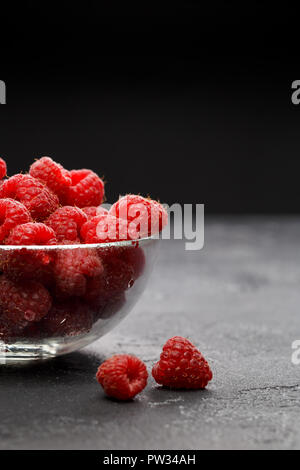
57, 299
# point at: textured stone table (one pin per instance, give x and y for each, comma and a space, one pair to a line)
238, 300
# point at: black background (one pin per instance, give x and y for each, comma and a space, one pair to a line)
185, 101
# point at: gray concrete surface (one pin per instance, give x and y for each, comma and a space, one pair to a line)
238, 300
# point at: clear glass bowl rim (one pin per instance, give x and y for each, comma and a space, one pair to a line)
122, 243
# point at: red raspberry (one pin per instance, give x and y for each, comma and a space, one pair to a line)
38, 199
23, 302
12, 213
181, 365
32, 234
68, 318
22, 265
72, 268
87, 189
145, 215
104, 229
3, 169
93, 211
94, 291
132, 256
52, 174
106, 293
122, 376
67, 222
135, 257
119, 276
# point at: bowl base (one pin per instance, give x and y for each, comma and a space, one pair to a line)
26, 351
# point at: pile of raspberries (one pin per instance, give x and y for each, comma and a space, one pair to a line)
63, 292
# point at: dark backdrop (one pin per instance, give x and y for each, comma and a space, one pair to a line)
185, 101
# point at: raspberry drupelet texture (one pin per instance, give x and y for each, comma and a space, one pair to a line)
52, 174
39, 200
134, 257
12, 213
31, 234
67, 222
3, 169
148, 217
24, 265
122, 376
117, 277
93, 211
181, 365
72, 268
87, 189
23, 302
106, 228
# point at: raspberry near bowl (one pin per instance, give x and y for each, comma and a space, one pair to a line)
59, 298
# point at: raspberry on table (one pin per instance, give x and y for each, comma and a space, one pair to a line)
122, 376
181, 365
104, 229
39, 200
93, 211
71, 269
52, 174
12, 213
67, 318
87, 189
3, 169
31, 234
67, 222
23, 302
146, 216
